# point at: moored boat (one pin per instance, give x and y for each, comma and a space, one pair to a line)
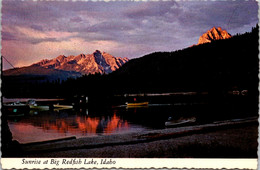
62, 106
16, 107
180, 121
36, 107
33, 105
137, 104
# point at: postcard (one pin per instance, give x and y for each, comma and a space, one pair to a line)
129, 84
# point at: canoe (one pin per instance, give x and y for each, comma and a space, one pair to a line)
62, 106
15, 115
137, 104
180, 121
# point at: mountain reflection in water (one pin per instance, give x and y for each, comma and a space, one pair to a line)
46, 126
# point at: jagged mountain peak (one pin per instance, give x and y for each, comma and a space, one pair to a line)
97, 52
214, 28
61, 58
97, 62
213, 34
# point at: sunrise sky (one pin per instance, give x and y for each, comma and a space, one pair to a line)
35, 30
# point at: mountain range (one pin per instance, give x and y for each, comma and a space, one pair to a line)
72, 66
214, 67
63, 67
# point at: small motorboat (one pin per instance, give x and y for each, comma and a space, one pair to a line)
179, 121
137, 104
33, 105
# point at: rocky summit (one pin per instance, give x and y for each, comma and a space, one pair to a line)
97, 62
213, 34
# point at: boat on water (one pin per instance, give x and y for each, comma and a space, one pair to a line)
16, 107
37, 107
33, 105
59, 106
180, 121
137, 104
15, 115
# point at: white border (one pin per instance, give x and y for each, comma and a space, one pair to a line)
9, 163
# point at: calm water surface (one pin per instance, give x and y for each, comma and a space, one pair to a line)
45, 125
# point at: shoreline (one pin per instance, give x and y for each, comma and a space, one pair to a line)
169, 140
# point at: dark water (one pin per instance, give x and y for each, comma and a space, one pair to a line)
45, 125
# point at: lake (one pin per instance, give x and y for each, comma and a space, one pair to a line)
53, 124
